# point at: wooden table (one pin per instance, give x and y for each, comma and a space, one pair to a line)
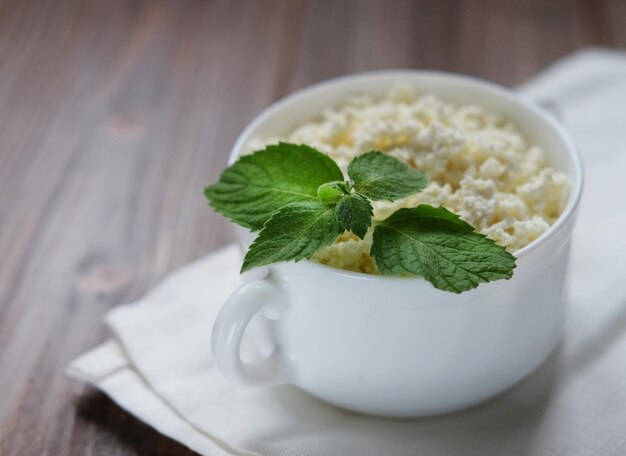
115, 114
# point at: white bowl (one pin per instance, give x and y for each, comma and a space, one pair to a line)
398, 346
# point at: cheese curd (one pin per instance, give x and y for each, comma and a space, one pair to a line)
479, 166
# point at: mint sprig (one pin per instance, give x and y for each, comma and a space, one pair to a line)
298, 198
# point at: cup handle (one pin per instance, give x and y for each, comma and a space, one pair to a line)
230, 326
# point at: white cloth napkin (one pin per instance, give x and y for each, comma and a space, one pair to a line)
158, 364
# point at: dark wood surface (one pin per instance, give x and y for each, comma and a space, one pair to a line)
115, 114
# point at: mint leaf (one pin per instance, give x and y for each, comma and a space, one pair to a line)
436, 244
355, 213
299, 200
257, 185
294, 232
382, 177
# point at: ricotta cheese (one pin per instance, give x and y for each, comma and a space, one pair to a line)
479, 164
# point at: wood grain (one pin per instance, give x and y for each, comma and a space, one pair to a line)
115, 114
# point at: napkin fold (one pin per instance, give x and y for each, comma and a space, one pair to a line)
158, 364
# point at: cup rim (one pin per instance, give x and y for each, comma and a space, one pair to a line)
455, 78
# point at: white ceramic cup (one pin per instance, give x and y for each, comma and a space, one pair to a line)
398, 346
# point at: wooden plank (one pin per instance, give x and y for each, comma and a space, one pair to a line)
115, 116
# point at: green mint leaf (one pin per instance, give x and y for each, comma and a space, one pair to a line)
382, 177
355, 213
257, 185
436, 244
294, 232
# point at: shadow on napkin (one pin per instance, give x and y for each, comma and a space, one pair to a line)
510, 419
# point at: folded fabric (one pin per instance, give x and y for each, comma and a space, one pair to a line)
158, 365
